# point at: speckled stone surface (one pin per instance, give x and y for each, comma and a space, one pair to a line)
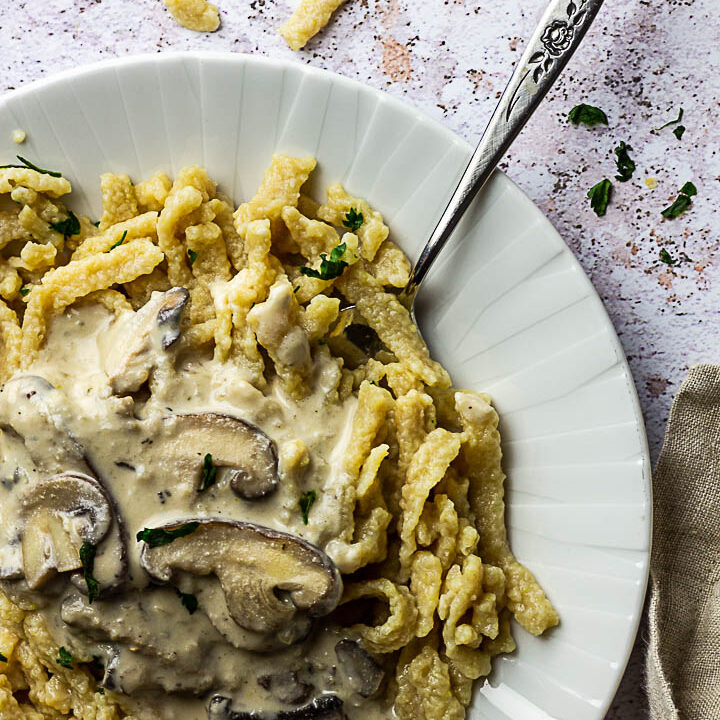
641, 62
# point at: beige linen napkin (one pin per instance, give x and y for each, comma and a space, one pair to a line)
683, 662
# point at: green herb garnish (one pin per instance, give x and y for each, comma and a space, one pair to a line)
2, 658
672, 122
119, 242
209, 473
600, 196
307, 500
682, 201
192, 256
679, 131
69, 226
87, 558
66, 659
24, 290
625, 164
587, 115
189, 602
353, 219
329, 268
688, 189
155, 537
667, 258
30, 166
100, 690
96, 223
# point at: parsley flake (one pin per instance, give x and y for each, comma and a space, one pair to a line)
209, 473
119, 242
625, 164
192, 256
667, 258
307, 500
155, 537
87, 558
100, 690
672, 122
69, 226
65, 659
24, 290
353, 219
2, 658
679, 131
600, 196
189, 602
689, 189
330, 268
30, 166
587, 115
681, 203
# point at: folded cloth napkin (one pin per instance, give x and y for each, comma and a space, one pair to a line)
683, 661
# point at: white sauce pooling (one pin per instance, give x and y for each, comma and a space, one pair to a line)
151, 645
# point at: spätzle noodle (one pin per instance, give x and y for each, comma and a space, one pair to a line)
309, 18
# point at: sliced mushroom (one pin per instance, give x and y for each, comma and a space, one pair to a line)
272, 581
285, 687
238, 449
35, 411
325, 707
361, 671
140, 343
59, 515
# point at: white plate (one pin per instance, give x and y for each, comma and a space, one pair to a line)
508, 311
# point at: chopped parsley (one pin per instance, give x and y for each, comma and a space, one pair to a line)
119, 242
331, 267
24, 290
672, 122
353, 219
209, 473
679, 131
189, 602
87, 558
96, 223
30, 166
2, 658
192, 256
69, 226
600, 196
155, 537
682, 201
625, 164
100, 690
587, 115
307, 500
667, 258
65, 659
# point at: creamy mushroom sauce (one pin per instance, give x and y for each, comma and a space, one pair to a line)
151, 646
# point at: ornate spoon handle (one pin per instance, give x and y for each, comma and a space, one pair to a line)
559, 33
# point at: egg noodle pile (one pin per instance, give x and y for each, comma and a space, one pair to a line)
425, 542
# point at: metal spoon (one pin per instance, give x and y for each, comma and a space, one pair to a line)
556, 38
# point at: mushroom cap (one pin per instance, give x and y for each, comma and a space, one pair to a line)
79, 497
142, 340
249, 455
271, 580
36, 412
60, 514
359, 667
324, 707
